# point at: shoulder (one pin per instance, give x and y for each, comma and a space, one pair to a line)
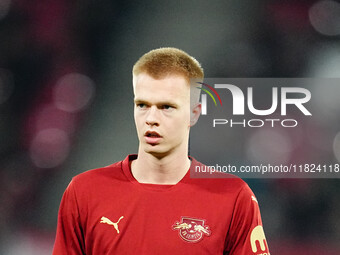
99, 177
217, 181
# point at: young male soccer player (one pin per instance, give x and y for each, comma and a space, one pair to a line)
147, 203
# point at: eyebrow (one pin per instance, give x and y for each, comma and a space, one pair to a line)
141, 101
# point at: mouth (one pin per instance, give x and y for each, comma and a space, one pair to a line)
153, 134
152, 137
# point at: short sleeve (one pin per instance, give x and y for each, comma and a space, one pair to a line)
246, 235
69, 237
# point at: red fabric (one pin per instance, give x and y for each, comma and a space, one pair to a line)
154, 214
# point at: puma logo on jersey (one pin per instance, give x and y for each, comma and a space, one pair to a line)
254, 199
109, 222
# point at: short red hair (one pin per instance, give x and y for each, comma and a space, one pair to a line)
161, 62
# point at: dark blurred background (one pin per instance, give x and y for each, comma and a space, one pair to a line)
66, 100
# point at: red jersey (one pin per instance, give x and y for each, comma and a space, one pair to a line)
106, 211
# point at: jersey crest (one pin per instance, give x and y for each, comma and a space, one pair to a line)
191, 230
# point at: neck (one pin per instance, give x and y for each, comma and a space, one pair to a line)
167, 170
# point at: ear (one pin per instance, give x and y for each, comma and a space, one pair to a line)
195, 113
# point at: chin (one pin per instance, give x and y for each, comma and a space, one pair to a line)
156, 152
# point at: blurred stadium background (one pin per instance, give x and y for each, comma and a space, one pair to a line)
66, 100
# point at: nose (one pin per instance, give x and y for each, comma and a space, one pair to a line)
152, 117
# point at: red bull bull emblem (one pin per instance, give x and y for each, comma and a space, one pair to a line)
191, 230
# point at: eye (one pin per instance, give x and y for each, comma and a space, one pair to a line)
141, 106
167, 107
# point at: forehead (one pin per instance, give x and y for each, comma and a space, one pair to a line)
173, 88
